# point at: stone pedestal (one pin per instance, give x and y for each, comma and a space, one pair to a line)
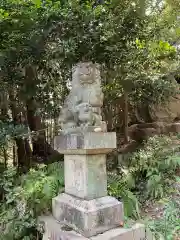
85, 206
85, 163
85, 176
85, 143
56, 231
88, 217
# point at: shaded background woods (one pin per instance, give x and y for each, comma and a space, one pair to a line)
40, 41
137, 45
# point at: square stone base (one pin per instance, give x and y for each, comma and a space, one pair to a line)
56, 231
85, 143
88, 217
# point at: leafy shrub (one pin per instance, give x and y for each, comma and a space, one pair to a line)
118, 187
8, 130
168, 227
26, 198
153, 167
149, 175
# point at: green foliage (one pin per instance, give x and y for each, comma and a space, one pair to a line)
153, 167
150, 174
48, 34
168, 227
8, 131
136, 53
26, 198
117, 187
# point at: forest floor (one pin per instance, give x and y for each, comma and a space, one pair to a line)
155, 210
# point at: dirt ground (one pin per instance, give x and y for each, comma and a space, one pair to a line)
155, 210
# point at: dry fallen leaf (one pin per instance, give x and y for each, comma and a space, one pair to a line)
121, 224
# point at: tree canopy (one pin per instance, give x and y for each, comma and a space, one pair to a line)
40, 40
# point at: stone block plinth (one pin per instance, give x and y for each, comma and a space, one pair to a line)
85, 143
88, 217
57, 231
85, 176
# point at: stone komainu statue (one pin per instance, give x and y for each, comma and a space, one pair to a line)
82, 107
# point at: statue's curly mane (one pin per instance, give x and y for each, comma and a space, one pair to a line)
85, 74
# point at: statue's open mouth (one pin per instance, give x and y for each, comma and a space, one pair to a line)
85, 79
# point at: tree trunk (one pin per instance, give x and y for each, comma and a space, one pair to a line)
41, 148
126, 137
4, 106
107, 112
24, 152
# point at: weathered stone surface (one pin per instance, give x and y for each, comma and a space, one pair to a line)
86, 143
85, 176
115, 234
54, 231
139, 132
173, 127
88, 217
168, 112
139, 232
82, 107
149, 235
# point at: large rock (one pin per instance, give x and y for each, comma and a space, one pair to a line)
168, 112
172, 128
143, 131
140, 132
